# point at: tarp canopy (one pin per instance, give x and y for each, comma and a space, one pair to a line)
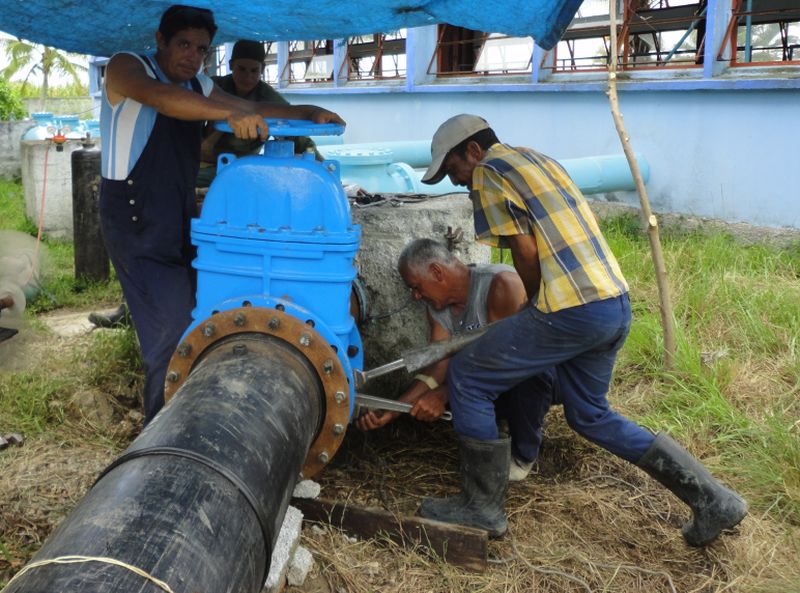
102, 27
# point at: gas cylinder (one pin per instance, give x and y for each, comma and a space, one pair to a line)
91, 257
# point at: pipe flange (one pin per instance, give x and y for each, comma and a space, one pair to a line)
295, 332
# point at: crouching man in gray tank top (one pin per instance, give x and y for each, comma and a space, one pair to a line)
462, 298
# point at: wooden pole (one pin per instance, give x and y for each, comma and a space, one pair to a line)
667, 317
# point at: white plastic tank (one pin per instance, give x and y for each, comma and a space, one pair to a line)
45, 170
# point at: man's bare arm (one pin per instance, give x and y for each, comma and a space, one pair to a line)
126, 77
506, 296
525, 254
418, 391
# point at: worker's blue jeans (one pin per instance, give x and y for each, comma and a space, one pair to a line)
524, 407
581, 342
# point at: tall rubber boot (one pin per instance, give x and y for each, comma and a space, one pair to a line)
481, 502
714, 506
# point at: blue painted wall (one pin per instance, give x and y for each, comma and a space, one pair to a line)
725, 154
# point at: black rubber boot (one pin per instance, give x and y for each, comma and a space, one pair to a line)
118, 318
714, 506
481, 502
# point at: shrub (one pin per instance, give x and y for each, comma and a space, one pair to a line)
10, 104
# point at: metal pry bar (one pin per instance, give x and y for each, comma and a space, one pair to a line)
419, 358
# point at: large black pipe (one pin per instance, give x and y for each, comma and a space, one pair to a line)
198, 498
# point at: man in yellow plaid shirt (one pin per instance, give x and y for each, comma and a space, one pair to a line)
577, 319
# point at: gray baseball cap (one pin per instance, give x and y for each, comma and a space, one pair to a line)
449, 135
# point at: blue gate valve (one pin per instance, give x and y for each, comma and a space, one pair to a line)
276, 251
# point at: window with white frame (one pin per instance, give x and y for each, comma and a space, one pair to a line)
463, 52
310, 61
379, 56
653, 34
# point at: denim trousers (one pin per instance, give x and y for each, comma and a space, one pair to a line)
581, 343
524, 407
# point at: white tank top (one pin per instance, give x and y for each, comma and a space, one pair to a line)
476, 312
126, 126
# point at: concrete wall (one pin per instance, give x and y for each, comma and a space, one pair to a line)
10, 134
61, 105
724, 154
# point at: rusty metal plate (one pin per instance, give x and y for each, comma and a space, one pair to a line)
303, 337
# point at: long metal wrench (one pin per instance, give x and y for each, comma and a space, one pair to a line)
419, 358
371, 402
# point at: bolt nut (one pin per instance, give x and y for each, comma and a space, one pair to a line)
239, 320
184, 349
173, 376
338, 429
340, 397
240, 349
324, 457
274, 323
209, 329
327, 367
305, 340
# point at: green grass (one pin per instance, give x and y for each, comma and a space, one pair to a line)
35, 400
732, 396
32, 401
59, 288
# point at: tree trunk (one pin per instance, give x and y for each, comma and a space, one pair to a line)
667, 316
45, 89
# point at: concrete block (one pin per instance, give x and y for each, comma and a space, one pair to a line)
301, 564
307, 489
386, 229
287, 541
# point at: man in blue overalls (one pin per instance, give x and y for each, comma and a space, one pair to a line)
152, 115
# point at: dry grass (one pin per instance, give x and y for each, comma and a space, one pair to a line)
586, 521
42, 481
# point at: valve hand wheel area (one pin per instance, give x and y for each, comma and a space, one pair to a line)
292, 127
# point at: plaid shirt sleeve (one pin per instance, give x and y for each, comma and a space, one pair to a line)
499, 210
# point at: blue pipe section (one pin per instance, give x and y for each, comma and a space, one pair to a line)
377, 170
416, 153
605, 173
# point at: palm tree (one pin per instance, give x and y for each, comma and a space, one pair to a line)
32, 58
